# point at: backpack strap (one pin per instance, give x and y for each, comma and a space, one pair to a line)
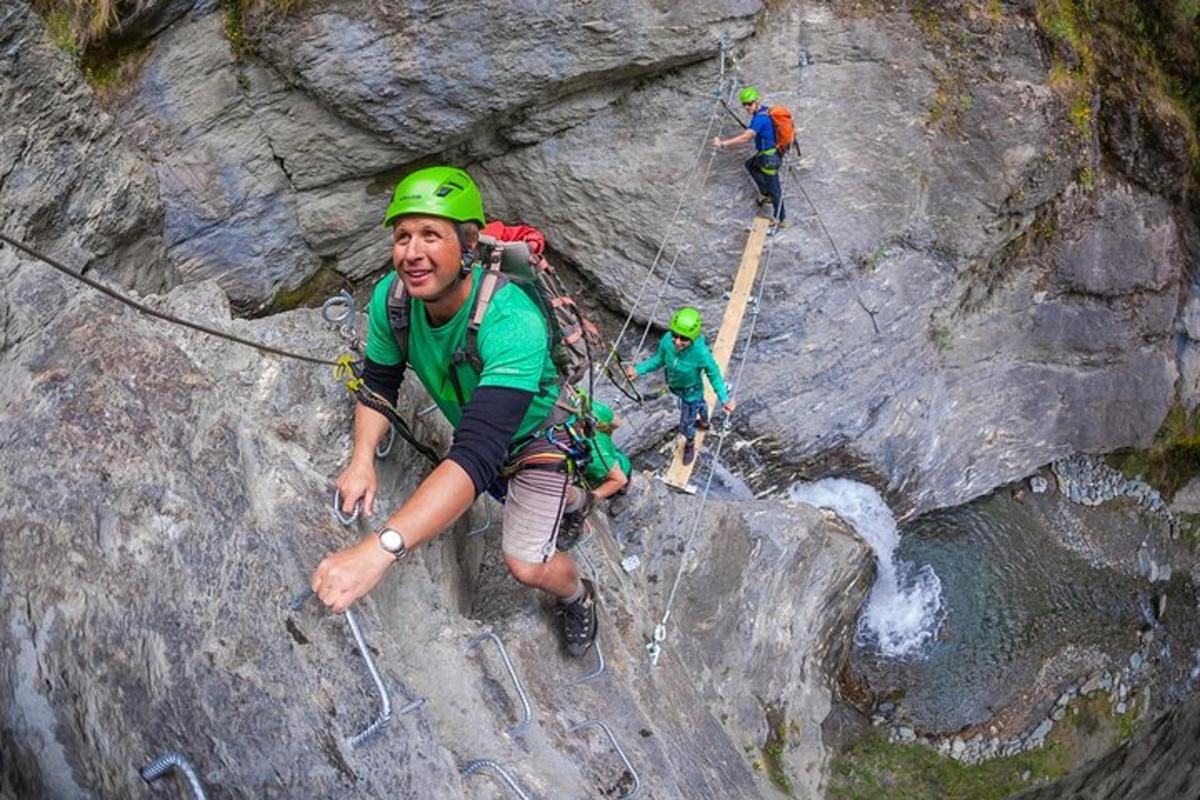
492, 281
399, 314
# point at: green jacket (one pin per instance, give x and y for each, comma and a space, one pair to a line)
684, 369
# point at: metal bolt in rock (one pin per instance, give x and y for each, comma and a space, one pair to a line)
512, 673
382, 450
480, 764
600, 666
595, 723
385, 702
487, 521
337, 509
169, 761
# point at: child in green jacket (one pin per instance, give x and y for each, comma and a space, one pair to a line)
684, 355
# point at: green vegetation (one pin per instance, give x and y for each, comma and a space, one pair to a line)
772, 750
942, 337
1172, 459
326, 281
1145, 52
876, 769
80, 29
58, 26
872, 260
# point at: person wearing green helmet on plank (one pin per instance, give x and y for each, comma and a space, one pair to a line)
502, 405
683, 354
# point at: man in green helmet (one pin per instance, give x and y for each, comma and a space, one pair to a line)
502, 407
764, 165
684, 355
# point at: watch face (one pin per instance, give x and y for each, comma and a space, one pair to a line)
390, 540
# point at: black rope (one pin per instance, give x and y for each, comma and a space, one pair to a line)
155, 313
377, 403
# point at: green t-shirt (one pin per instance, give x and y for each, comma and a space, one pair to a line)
512, 345
604, 452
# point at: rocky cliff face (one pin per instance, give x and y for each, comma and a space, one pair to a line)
146, 599
1007, 278
1159, 762
999, 296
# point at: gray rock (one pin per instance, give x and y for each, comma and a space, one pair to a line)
906, 734
1038, 484
203, 489
1161, 754
1041, 731
71, 183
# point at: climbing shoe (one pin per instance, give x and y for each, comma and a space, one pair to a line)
579, 620
573, 524
689, 451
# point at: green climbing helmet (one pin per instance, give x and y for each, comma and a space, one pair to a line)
439, 192
686, 322
748, 95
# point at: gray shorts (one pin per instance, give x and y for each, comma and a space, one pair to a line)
532, 512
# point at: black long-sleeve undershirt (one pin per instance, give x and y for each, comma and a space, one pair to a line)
489, 422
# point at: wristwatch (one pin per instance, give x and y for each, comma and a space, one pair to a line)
391, 541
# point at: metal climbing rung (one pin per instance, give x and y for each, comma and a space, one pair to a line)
487, 521
599, 670
595, 723
337, 510
169, 761
475, 641
382, 449
385, 702
480, 764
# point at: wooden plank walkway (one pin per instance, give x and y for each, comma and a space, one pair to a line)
679, 474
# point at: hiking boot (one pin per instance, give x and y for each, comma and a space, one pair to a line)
689, 451
763, 198
573, 525
702, 424
579, 620
777, 227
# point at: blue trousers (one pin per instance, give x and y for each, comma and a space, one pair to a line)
689, 412
767, 184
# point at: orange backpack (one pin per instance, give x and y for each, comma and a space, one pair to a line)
785, 131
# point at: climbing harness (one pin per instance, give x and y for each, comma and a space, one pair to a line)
480, 764
341, 516
595, 723
147, 310
385, 702
169, 761
527, 710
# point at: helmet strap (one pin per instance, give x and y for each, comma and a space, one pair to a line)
468, 253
